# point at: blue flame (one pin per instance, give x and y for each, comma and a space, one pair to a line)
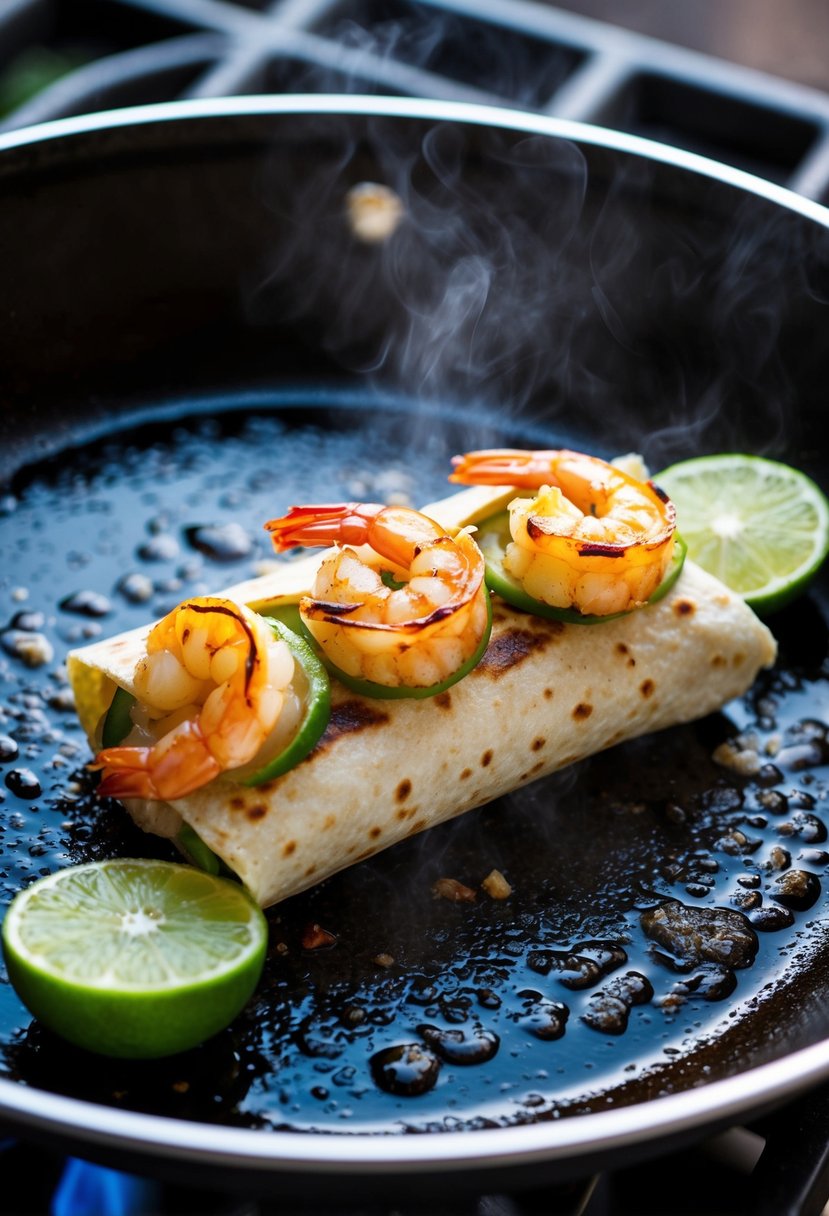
92, 1190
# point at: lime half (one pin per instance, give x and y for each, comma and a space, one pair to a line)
134, 958
760, 526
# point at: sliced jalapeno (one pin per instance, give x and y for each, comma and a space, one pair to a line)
118, 723
317, 698
385, 692
494, 535
197, 851
312, 686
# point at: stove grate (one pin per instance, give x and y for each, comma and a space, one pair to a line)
89, 55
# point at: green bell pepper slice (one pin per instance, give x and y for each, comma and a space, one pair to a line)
493, 536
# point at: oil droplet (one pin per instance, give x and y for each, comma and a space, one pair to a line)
700, 935
769, 919
541, 1017
136, 588
86, 603
220, 542
461, 1046
161, 548
406, 1070
28, 620
796, 889
8, 749
23, 782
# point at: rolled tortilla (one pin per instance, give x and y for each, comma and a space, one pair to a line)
545, 695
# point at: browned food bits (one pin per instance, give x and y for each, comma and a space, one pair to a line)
456, 892
314, 937
692, 935
496, 886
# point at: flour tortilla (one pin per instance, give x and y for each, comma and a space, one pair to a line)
544, 696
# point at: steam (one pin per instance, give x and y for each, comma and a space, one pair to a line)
616, 303
450, 306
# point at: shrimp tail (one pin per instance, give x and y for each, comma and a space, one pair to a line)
503, 466
344, 522
181, 763
125, 772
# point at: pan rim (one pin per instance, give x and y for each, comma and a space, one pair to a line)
354, 1153
486, 1149
469, 113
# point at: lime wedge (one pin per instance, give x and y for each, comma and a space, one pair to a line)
134, 958
760, 526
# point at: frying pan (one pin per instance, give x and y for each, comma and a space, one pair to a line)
194, 334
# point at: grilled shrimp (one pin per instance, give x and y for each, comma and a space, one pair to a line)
593, 538
408, 611
213, 686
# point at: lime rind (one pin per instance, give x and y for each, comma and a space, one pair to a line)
758, 525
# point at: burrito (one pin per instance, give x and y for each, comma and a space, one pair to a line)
545, 694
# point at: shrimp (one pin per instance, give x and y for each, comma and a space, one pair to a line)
408, 611
212, 688
593, 538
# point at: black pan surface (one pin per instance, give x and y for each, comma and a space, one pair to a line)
566, 1000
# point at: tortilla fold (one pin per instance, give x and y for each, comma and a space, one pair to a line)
545, 695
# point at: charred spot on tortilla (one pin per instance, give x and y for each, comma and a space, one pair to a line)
486, 758
548, 694
417, 826
582, 710
738, 658
719, 660
403, 790
289, 848
512, 647
684, 608
375, 832
647, 688
538, 743
329, 822
346, 719
259, 811
443, 700
237, 803
465, 774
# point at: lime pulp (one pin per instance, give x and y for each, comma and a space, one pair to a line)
760, 526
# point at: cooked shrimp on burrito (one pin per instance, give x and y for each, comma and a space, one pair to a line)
593, 538
410, 615
213, 687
